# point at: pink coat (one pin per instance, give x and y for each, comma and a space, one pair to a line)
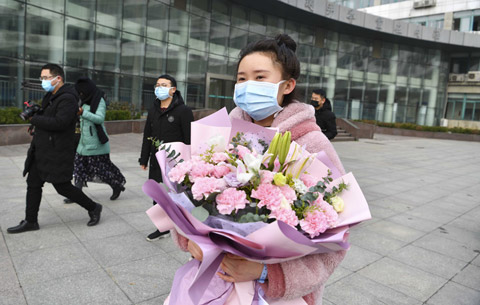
304, 277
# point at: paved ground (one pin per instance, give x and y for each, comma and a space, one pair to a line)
421, 247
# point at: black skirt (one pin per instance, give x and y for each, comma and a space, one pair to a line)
97, 169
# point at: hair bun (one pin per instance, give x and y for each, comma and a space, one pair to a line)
287, 41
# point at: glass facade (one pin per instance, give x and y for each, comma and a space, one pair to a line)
125, 44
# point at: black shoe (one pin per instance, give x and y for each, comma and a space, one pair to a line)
157, 235
116, 192
95, 215
66, 200
24, 226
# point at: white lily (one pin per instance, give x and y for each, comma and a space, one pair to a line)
242, 175
252, 162
300, 166
218, 143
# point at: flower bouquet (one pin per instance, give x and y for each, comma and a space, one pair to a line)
257, 195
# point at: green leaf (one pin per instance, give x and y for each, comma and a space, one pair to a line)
200, 213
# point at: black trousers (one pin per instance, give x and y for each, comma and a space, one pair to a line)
34, 194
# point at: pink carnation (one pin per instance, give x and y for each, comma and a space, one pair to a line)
219, 157
177, 174
266, 176
200, 169
269, 195
242, 151
230, 200
318, 220
220, 170
203, 187
288, 193
288, 216
308, 180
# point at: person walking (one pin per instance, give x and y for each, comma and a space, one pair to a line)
323, 113
92, 160
52, 150
168, 120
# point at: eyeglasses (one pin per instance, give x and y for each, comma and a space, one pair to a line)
46, 77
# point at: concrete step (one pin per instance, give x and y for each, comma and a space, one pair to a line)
342, 135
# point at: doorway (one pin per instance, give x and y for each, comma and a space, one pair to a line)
219, 91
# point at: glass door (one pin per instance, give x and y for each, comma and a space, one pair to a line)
219, 91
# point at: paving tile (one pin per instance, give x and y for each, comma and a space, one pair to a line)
120, 249
109, 225
56, 262
145, 279
356, 289
446, 246
417, 223
339, 273
94, 287
374, 241
429, 261
434, 213
358, 258
395, 230
12, 296
453, 293
408, 280
138, 220
468, 238
469, 277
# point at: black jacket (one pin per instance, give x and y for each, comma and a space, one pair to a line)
53, 144
171, 125
326, 120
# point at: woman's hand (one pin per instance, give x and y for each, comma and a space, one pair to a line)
144, 167
195, 250
238, 269
80, 111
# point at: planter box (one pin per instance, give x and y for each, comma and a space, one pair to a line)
17, 133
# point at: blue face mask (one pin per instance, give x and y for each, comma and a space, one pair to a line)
258, 99
162, 93
47, 85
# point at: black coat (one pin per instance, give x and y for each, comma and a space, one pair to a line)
326, 120
171, 125
53, 144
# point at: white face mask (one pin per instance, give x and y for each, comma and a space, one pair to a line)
258, 99
162, 93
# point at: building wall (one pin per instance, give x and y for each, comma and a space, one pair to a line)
125, 47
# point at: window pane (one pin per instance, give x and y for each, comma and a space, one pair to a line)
109, 83
11, 78
468, 115
238, 40
216, 64
130, 91
220, 12
54, 5
83, 9
199, 7
72, 74
79, 45
12, 28
107, 49
218, 38
197, 66
177, 62
178, 30
275, 26
155, 57
257, 22
108, 14
148, 95
134, 16
239, 17
44, 35
195, 96
199, 30
133, 49
157, 20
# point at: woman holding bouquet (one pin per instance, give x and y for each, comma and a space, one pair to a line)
169, 121
265, 94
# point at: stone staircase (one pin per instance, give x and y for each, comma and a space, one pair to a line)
342, 135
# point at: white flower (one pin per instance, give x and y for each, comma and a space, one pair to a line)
299, 186
338, 204
218, 143
253, 163
242, 175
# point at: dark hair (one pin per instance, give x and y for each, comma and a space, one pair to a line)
55, 70
320, 92
282, 48
170, 78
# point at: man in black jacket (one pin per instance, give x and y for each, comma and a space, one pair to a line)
169, 121
52, 150
323, 113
